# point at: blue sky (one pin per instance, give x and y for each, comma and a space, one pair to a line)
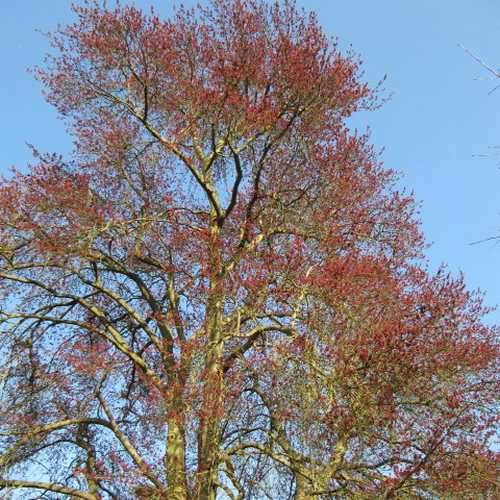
439, 129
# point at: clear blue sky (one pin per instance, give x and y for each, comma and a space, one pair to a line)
435, 129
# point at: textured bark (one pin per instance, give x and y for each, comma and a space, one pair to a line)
209, 434
301, 488
209, 431
176, 461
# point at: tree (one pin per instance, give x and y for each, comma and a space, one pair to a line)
221, 292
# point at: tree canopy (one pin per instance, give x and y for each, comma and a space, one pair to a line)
221, 293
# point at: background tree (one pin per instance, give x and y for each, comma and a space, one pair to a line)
221, 292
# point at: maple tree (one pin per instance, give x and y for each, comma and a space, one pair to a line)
222, 293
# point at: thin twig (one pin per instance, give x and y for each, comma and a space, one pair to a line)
493, 71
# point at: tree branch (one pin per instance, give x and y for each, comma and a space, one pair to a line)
15, 483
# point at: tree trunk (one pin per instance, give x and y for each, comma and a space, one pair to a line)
209, 425
301, 488
176, 461
208, 438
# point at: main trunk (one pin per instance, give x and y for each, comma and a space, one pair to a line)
302, 488
176, 468
209, 422
209, 432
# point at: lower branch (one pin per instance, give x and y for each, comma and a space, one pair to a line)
57, 488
